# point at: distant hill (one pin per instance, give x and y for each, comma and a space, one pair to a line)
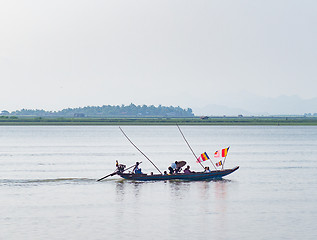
248, 104
108, 111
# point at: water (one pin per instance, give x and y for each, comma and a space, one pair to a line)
48, 184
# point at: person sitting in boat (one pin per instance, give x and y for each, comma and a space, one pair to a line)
207, 170
120, 167
186, 170
171, 170
136, 168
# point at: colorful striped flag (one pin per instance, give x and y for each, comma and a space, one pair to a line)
222, 152
218, 164
203, 157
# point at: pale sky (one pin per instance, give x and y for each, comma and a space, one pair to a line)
72, 53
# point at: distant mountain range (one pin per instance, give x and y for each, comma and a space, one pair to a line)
251, 105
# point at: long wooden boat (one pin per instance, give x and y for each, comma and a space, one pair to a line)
193, 176
197, 176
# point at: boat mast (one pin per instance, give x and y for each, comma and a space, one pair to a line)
189, 146
139, 150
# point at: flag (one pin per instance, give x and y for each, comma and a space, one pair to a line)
203, 157
218, 164
224, 152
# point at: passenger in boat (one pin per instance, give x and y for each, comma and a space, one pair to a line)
174, 165
207, 170
165, 173
171, 170
176, 169
120, 167
136, 169
186, 170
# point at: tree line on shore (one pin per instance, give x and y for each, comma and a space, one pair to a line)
107, 111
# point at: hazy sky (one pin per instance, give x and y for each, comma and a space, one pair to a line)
71, 53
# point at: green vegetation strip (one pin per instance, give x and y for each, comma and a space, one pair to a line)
248, 121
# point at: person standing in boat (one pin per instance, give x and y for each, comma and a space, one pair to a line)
136, 169
175, 167
172, 168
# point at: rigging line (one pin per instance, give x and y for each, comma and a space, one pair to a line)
189, 146
139, 150
212, 164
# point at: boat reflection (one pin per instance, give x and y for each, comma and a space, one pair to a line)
123, 188
178, 189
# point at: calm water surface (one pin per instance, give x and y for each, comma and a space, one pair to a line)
48, 184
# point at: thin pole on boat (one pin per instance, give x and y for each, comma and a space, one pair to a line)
189, 146
212, 164
139, 150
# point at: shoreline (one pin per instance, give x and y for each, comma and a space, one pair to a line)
211, 121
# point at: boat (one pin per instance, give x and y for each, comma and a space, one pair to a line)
174, 174
194, 176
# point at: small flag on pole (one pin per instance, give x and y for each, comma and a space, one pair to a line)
203, 157
218, 164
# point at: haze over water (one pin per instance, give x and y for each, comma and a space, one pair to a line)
48, 183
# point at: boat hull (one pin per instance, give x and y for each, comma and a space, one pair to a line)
217, 174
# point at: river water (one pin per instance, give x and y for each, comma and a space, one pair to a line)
48, 187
